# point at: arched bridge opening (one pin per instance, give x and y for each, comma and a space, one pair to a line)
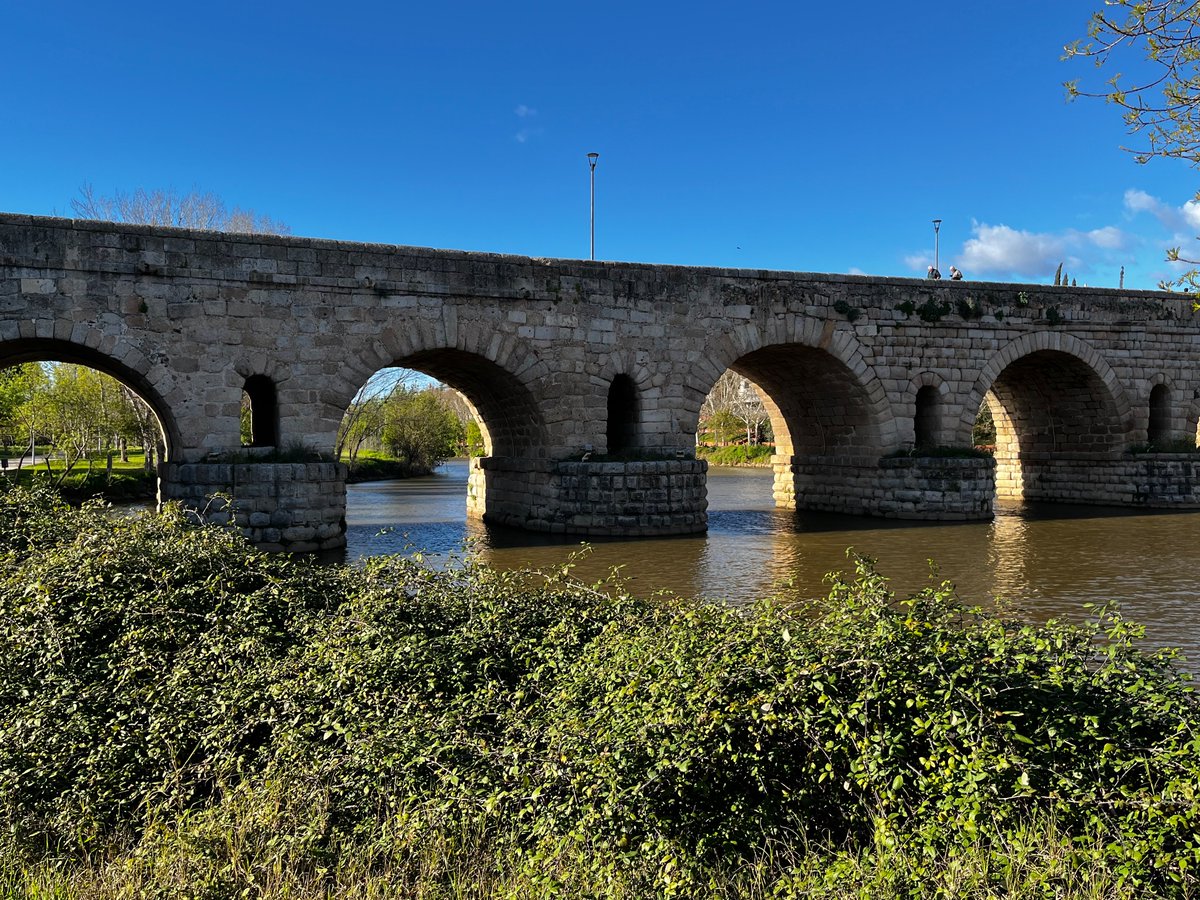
826, 423
450, 402
70, 409
1057, 426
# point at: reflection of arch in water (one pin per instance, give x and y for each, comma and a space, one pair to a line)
1057, 406
111, 357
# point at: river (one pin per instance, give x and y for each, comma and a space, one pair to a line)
1047, 561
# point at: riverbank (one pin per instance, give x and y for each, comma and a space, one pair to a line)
282, 729
129, 481
739, 455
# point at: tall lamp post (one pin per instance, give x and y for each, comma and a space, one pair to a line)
937, 225
592, 157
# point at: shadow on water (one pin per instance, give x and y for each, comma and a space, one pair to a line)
1046, 560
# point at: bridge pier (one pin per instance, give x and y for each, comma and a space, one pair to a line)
294, 507
1156, 480
906, 487
598, 499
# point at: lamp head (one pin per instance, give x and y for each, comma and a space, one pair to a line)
592, 157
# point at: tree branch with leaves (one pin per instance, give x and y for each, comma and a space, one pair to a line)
1161, 103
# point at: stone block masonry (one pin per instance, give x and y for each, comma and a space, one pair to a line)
294, 507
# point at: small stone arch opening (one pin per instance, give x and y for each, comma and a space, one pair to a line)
927, 419
623, 415
1158, 429
260, 412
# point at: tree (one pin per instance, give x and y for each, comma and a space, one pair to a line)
199, 210
734, 396
364, 419
1162, 103
420, 429
22, 405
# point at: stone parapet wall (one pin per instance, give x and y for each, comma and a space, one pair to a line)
1159, 480
295, 507
643, 498
932, 488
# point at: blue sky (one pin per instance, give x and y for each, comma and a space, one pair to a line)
812, 137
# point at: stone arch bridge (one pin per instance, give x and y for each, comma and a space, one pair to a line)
588, 377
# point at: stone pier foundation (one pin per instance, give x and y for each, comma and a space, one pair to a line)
295, 507
907, 487
644, 498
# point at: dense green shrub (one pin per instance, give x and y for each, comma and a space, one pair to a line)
737, 455
218, 715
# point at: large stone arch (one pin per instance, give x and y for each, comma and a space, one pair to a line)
504, 382
113, 357
1060, 411
823, 397
828, 409
1027, 345
497, 375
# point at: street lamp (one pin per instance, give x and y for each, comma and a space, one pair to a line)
937, 225
592, 157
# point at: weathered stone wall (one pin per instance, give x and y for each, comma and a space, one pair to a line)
907, 487
1157, 480
591, 498
297, 507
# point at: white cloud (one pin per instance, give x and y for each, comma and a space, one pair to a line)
1110, 238
526, 132
1174, 218
1002, 250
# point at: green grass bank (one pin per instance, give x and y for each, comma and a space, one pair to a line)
182, 716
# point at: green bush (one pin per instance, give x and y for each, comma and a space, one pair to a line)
215, 716
737, 455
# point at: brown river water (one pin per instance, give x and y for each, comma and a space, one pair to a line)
1047, 561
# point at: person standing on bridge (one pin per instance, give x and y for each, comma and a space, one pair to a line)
933, 273
955, 275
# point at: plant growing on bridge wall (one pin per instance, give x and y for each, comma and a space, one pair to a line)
968, 308
851, 313
907, 307
1053, 316
932, 311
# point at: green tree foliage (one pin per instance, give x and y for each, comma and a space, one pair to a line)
420, 430
1161, 99
22, 401
79, 414
220, 716
734, 399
